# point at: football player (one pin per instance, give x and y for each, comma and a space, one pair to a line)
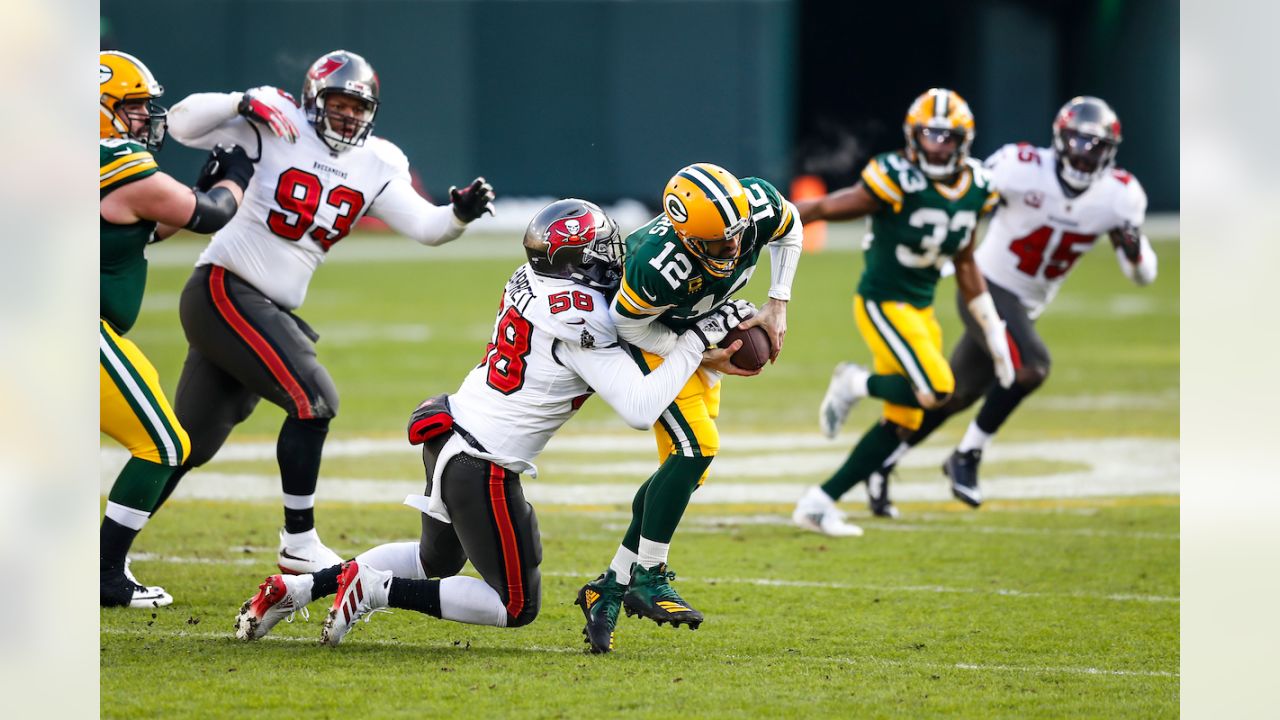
1054, 203
924, 202
681, 266
320, 170
553, 345
139, 205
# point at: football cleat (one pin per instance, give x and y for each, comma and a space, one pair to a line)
962, 468
878, 494
841, 396
600, 601
278, 598
817, 512
362, 591
122, 591
650, 595
302, 553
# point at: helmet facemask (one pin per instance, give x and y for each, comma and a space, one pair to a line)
715, 262
342, 131
153, 116
1083, 158
920, 136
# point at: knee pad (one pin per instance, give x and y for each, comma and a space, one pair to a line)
436, 566
527, 614
1031, 377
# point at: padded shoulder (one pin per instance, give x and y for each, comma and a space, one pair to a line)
570, 312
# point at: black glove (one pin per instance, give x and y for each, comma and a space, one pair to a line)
1129, 240
472, 201
225, 162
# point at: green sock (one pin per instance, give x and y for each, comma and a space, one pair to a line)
871, 451
668, 496
140, 483
631, 540
894, 388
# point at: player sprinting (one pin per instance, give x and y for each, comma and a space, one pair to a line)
1054, 203
319, 171
139, 205
553, 345
681, 266
924, 203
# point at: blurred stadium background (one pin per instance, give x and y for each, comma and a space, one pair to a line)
603, 99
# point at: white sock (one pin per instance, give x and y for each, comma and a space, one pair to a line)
401, 559
471, 600
621, 564
817, 499
131, 518
652, 553
974, 438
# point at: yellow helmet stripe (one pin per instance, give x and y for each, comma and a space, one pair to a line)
715, 191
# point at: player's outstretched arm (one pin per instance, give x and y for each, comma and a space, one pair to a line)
845, 204
973, 287
409, 214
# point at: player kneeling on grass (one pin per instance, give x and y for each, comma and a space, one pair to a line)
553, 345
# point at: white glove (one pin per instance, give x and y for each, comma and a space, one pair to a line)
983, 309
735, 311
712, 328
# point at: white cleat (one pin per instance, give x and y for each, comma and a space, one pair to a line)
145, 596
303, 553
816, 512
848, 386
362, 591
278, 598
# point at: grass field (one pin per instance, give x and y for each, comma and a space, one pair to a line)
1059, 598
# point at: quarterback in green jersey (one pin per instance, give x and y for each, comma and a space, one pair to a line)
138, 205
680, 267
923, 202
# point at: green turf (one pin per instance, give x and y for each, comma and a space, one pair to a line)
1051, 608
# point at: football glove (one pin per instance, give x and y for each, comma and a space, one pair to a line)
472, 201
225, 162
254, 109
712, 328
735, 311
1129, 240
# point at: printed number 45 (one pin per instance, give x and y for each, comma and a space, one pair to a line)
675, 271
931, 245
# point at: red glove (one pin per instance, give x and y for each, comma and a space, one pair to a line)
254, 109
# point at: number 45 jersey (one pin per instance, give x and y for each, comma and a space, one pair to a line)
1038, 232
920, 226
303, 198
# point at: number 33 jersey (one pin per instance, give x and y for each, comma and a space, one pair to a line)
1038, 232
920, 225
303, 198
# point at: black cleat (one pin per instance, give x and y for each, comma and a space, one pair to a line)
878, 494
962, 468
600, 600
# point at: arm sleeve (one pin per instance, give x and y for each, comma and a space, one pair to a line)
1144, 271
644, 332
206, 119
784, 256
409, 214
638, 398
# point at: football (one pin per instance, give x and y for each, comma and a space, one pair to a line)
755, 350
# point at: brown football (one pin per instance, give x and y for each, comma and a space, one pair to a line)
755, 349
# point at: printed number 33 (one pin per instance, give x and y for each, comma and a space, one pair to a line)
931, 245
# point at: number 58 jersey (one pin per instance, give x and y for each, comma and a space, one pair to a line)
302, 199
1039, 232
522, 392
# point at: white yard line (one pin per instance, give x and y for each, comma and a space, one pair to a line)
1118, 467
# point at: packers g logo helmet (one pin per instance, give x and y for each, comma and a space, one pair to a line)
941, 114
123, 78
706, 204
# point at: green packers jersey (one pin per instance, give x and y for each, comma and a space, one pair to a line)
921, 225
123, 266
662, 278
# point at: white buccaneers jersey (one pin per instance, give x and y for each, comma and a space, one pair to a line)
1038, 233
521, 393
303, 198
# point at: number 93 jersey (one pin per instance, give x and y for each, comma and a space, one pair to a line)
662, 279
521, 392
919, 227
1038, 233
302, 199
